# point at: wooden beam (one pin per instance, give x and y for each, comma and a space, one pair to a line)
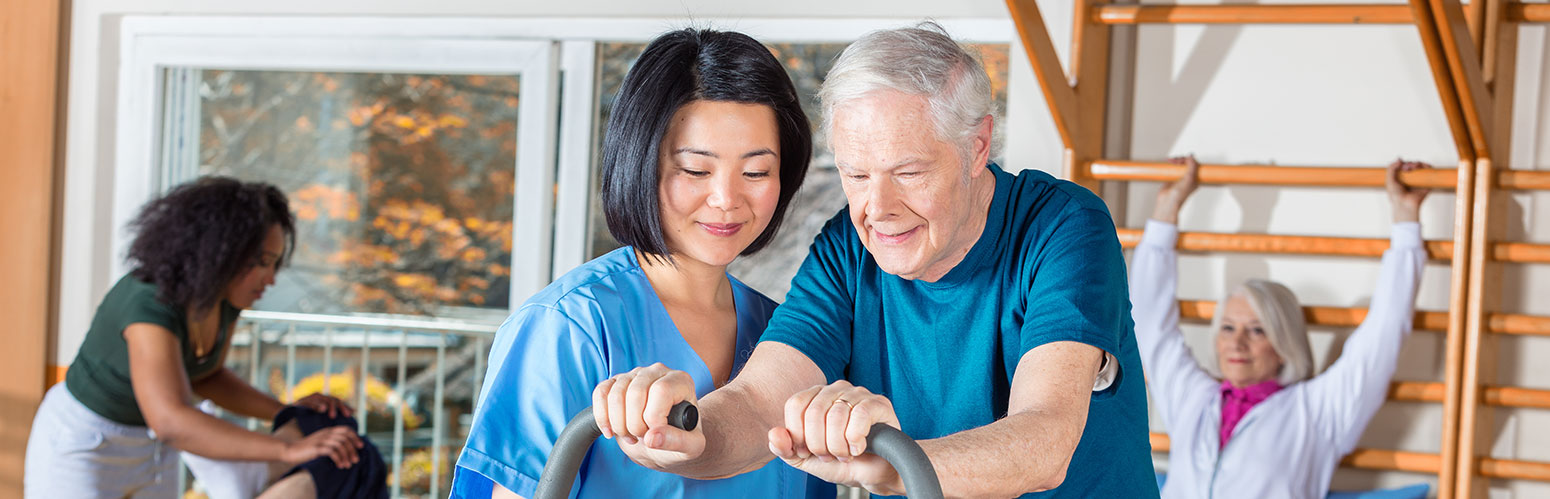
1513, 469
1058, 92
1453, 342
1090, 80
1514, 396
1496, 323
1426, 27
1200, 310
1517, 324
1474, 18
1463, 58
1293, 245
1520, 253
1476, 423
1252, 14
1372, 459
30, 137
1318, 176
1390, 460
1528, 12
1472, 418
1523, 179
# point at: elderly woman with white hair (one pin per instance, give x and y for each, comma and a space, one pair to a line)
1254, 420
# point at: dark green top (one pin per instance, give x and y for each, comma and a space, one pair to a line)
99, 376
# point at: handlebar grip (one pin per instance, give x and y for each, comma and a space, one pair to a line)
571, 447
684, 416
906, 456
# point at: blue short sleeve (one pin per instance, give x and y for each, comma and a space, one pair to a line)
543, 366
1077, 289
817, 314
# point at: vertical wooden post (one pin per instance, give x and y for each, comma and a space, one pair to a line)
1499, 60
29, 137
1458, 292
1090, 79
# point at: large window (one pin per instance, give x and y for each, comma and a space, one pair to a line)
402, 184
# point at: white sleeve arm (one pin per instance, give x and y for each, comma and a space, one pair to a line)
1349, 393
1174, 378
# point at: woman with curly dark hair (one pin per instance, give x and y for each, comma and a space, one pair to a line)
202, 253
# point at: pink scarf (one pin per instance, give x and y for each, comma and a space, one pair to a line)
1237, 401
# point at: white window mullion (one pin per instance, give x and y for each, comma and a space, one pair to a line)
533, 206
572, 236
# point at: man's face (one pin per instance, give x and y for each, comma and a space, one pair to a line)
909, 192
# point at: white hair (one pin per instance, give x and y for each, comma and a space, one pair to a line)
922, 61
1281, 316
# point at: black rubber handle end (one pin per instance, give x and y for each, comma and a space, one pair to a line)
684, 416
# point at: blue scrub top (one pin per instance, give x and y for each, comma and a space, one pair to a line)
599, 320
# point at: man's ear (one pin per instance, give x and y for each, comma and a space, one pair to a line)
984, 133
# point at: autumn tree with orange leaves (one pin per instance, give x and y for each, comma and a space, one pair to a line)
402, 185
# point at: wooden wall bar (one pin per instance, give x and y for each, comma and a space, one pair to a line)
1471, 51
1497, 323
1253, 14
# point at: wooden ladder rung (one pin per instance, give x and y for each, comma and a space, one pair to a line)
1372, 459
1253, 14
1316, 176
1294, 245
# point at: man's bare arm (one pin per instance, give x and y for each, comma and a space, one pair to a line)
1030, 449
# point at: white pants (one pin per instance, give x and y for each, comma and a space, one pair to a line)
75, 453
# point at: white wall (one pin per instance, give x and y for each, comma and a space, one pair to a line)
1290, 94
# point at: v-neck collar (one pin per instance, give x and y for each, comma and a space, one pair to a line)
704, 382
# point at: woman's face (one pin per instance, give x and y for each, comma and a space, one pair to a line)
251, 283
719, 179
1243, 351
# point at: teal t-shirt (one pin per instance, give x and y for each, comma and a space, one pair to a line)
1047, 268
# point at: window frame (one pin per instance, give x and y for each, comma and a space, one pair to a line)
556, 143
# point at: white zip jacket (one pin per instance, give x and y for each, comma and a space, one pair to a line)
1289, 444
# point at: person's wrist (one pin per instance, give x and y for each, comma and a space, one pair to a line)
1404, 213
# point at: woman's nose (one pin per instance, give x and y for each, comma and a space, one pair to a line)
722, 195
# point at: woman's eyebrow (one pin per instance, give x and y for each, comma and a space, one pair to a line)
696, 152
758, 152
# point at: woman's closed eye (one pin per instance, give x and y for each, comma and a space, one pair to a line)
694, 173
757, 174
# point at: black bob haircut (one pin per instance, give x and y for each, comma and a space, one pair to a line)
198, 238
677, 68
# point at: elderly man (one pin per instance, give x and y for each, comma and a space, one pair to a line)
984, 313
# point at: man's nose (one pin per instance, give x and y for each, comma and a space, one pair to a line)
881, 195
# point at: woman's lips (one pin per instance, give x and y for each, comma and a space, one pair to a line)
721, 230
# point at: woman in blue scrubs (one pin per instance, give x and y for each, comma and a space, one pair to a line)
706, 145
